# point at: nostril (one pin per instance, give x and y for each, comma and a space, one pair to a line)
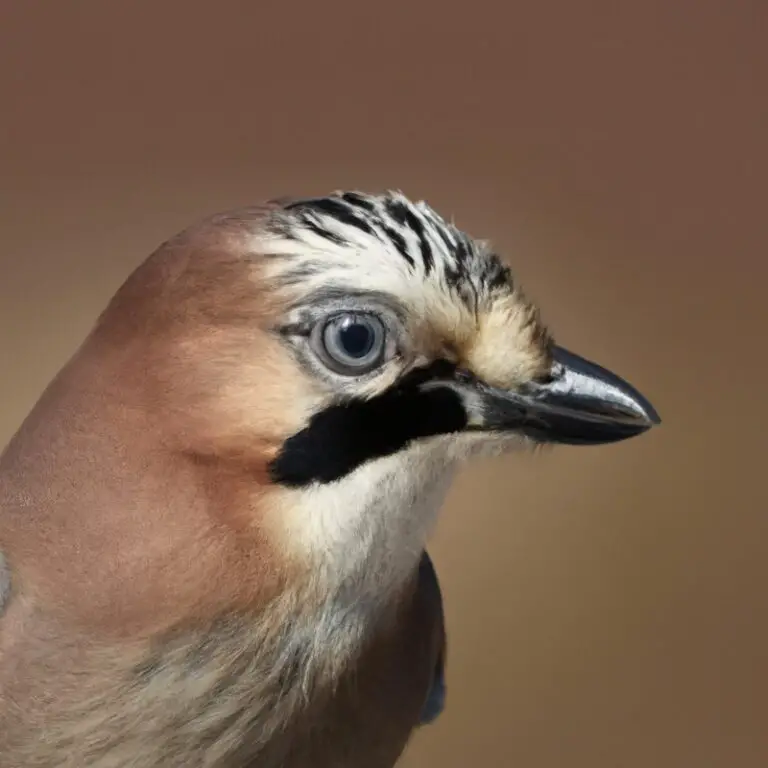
545, 378
550, 376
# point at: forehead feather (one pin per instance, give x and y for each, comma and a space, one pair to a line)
380, 242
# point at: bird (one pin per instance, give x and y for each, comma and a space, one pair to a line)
214, 522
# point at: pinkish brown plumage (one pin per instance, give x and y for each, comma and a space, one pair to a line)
214, 519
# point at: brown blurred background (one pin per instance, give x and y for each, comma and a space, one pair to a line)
606, 606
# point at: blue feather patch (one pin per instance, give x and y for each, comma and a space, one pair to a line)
435, 703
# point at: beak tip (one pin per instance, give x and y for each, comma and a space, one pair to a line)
648, 414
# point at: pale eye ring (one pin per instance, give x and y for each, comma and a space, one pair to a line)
350, 343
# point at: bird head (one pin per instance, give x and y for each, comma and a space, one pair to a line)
352, 350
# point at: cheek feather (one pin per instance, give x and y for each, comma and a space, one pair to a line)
367, 530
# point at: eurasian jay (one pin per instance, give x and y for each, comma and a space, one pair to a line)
213, 522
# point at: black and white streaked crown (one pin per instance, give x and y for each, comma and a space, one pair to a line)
412, 231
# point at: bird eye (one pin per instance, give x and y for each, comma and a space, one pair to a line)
350, 344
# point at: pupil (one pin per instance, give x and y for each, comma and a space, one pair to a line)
356, 339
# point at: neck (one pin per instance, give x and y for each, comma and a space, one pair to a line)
241, 683
144, 593
101, 521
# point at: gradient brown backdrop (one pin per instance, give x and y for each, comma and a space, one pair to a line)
606, 606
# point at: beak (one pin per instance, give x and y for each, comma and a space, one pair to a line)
580, 403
